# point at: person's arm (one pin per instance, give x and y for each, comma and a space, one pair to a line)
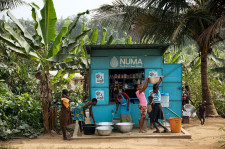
128, 103
117, 105
90, 109
160, 80
145, 86
64, 96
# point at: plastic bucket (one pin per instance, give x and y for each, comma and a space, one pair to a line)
175, 124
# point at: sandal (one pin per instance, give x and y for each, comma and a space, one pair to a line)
165, 131
157, 131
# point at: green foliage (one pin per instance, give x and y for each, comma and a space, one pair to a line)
20, 115
216, 84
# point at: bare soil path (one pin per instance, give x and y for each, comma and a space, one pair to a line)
203, 137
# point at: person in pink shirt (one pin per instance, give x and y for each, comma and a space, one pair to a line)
143, 103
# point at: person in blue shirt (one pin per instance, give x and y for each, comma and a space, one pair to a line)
157, 111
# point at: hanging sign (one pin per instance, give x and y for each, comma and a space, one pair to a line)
127, 62
99, 77
99, 95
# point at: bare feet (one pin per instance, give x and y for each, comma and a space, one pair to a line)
142, 131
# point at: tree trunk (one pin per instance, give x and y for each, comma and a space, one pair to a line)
206, 95
46, 99
85, 85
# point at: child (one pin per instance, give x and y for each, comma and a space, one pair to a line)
79, 112
157, 111
143, 104
65, 114
150, 106
202, 108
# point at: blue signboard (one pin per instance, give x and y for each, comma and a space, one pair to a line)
126, 62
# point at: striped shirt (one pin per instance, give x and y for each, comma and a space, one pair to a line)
157, 97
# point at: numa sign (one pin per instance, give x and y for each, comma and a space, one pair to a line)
126, 61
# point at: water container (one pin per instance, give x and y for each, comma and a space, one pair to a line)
165, 99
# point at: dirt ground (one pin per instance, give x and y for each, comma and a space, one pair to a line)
207, 137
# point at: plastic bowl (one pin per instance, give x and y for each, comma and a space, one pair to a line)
153, 80
89, 129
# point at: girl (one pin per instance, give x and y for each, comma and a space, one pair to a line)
140, 93
157, 112
79, 112
65, 114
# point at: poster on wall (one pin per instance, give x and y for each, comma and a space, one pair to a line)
99, 95
99, 77
153, 73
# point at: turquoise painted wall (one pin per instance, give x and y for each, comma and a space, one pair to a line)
152, 61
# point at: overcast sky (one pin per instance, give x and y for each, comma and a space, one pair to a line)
63, 8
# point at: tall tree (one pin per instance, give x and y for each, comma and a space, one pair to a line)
172, 21
46, 48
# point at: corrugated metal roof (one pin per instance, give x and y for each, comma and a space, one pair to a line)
164, 47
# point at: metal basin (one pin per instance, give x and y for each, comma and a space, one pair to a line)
104, 130
125, 127
105, 124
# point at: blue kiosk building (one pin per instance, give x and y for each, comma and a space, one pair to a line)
121, 67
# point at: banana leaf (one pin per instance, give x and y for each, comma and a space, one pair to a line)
55, 46
94, 36
48, 21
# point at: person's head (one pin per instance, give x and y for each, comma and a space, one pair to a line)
204, 103
116, 93
187, 87
94, 101
139, 86
150, 98
155, 88
65, 92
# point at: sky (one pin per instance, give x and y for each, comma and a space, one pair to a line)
64, 8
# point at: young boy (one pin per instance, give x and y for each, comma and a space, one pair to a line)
202, 108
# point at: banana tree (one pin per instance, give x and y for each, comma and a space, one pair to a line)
46, 48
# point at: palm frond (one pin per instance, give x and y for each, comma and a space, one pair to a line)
213, 33
175, 6
9, 4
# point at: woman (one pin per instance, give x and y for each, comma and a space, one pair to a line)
79, 112
125, 107
65, 114
157, 112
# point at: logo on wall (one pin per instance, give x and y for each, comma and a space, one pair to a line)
99, 77
99, 95
127, 61
114, 62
